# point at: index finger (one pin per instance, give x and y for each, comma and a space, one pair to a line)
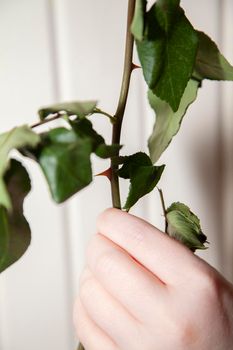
166, 258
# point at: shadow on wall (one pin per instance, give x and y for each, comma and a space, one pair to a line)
206, 158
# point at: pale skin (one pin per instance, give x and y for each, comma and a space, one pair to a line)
142, 290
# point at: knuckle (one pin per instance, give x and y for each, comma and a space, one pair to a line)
209, 285
206, 282
183, 331
186, 334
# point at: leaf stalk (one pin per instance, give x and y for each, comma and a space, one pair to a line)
163, 207
99, 111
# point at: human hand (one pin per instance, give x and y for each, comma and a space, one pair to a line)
142, 290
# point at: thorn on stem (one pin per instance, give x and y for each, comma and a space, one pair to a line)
107, 173
134, 66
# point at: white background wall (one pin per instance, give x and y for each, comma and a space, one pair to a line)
71, 49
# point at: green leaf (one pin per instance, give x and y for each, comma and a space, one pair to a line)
166, 12
184, 226
210, 63
168, 51
64, 156
65, 161
151, 50
107, 151
84, 129
79, 108
137, 26
16, 138
168, 122
59, 135
15, 233
143, 180
142, 174
133, 161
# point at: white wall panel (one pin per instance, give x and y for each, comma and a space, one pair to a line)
67, 49
226, 129
34, 292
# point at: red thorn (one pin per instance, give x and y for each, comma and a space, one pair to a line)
107, 173
135, 66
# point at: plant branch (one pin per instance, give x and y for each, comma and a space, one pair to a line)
118, 118
163, 206
62, 115
116, 133
56, 116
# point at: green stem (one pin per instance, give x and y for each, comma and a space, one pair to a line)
80, 347
59, 115
99, 111
56, 116
116, 133
163, 206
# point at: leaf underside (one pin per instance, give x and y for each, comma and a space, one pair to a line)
15, 235
79, 108
17, 137
137, 26
167, 122
210, 63
184, 226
